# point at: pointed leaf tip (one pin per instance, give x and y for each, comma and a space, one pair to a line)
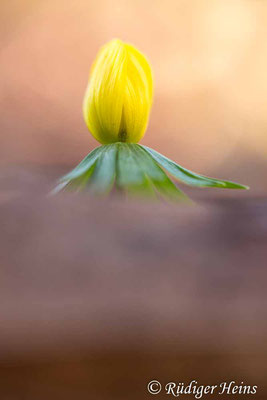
189, 177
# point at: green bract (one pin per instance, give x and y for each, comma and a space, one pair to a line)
135, 170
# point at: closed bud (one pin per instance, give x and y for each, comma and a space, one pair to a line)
118, 98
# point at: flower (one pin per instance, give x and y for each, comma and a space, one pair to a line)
119, 95
116, 109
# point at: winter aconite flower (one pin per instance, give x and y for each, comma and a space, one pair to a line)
119, 95
116, 109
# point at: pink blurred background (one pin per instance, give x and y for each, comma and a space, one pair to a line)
209, 59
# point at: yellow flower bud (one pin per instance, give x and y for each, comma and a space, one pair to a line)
118, 98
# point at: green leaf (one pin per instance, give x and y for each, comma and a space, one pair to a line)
95, 173
104, 173
130, 174
189, 177
76, 184
84, 165
136, 170
164, 186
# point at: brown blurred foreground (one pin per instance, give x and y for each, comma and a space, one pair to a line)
98, 297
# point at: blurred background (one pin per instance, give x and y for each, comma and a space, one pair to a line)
209, 59
98, 297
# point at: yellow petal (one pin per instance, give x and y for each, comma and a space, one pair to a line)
119, 95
